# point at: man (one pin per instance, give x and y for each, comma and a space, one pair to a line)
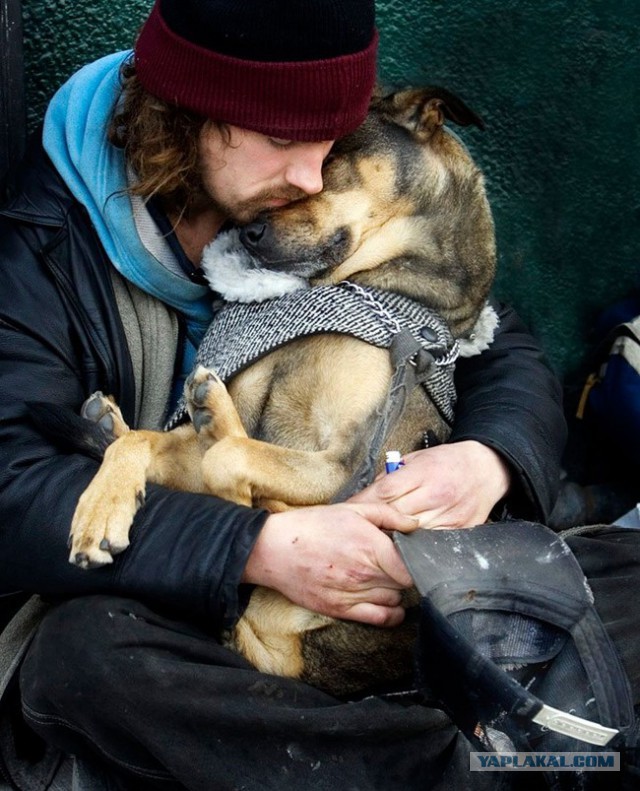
224, 110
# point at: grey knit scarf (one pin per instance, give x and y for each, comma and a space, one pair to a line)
242, 333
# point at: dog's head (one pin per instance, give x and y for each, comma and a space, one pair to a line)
403, 208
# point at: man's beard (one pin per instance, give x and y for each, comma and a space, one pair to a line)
247, 211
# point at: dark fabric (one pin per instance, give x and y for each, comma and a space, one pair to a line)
60, 340
160, 698
508, 625
510, 400
601, 458
10, 603
277, 30
610, 558
198, 59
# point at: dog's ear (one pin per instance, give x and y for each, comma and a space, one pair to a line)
423, 110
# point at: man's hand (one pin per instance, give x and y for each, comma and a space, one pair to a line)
335, 560
454, 485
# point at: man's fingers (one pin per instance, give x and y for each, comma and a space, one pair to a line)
385, 516
383, 597
375, 615
391, 488
388, 518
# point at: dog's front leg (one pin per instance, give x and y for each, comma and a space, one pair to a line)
105, 511
215, 418
250, 471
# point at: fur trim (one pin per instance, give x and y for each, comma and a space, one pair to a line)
237, 277
481, 336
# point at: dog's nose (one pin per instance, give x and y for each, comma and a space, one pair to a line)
251, 235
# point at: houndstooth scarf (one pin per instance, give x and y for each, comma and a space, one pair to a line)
242, 333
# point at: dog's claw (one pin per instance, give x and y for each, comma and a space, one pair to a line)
199, 393
81, 559
201, 418
113, 549
85, 560
140, 499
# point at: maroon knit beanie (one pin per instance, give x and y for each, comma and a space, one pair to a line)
294, 69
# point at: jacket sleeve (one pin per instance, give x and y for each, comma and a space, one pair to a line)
510, 400
187, 551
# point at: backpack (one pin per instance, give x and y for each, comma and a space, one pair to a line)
609, 403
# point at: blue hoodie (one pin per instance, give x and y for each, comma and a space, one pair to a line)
75, 138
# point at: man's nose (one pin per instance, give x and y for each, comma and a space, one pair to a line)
304, 171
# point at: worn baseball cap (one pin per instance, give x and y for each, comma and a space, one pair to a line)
294, 69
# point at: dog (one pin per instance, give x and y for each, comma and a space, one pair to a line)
403, 212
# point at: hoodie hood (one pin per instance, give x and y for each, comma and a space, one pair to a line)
75, 138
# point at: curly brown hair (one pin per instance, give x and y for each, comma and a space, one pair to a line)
160, 143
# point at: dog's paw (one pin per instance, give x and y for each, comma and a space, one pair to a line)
105, 510
200, 392
104, 411
210, 407
100, 528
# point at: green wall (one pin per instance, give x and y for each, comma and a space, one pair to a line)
558, 84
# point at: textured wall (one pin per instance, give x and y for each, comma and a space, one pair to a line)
62, 35
558, 85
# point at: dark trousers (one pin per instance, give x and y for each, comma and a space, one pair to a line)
163, 704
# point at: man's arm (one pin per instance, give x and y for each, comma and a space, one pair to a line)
188, 551
336, 560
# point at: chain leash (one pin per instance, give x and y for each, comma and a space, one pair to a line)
394, 326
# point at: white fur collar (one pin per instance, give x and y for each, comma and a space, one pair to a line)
237, 277
481, 336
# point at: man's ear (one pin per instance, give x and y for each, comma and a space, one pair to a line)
423, 110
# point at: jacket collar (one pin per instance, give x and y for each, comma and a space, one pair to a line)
37, 194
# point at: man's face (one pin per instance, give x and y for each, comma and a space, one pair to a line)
245, 172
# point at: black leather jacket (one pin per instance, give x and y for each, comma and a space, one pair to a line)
61, 338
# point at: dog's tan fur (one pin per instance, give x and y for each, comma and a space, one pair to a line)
403, 209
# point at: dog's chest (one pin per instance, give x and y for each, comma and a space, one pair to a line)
313, 393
